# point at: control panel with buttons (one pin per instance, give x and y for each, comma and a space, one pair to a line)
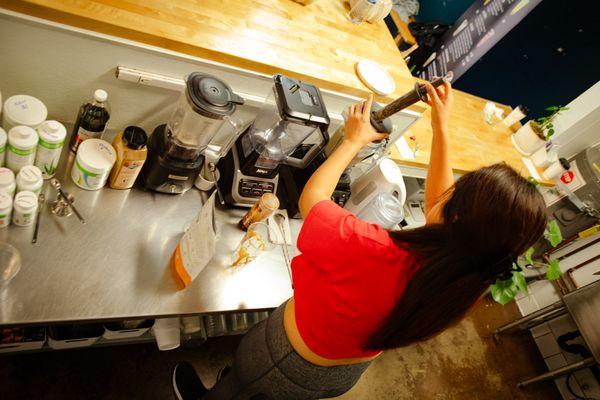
252, 188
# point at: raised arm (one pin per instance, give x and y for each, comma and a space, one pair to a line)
439, 175
357, 133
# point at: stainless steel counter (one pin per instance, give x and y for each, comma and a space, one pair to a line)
584, 305
115, 266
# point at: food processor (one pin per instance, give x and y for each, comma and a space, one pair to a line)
290, 129
176, 149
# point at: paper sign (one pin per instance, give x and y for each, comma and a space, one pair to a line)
196, 248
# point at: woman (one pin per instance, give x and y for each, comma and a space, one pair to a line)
359, 290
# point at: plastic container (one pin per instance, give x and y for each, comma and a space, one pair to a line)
516, 115
6, 202
22, 339
74, 336
30, 178
91, 119
10, 263
131, 149
556, 169
52, 139
7, 181
126, 329
24, 208
25, 110
191, 325
95, 158
384, 210
3, 139
167, 334
22, 145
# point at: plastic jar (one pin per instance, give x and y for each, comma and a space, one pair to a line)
94, 160
24, 208
22, 144
3, 139
7, 181
6, 202
384, 210
25, 110
30, 179
52, 138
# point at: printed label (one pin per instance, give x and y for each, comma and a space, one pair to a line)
84, 134
572, 178
128, 173
86, 179
47, 159
4, 220
16, 159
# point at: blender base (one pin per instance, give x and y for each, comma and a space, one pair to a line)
164, 174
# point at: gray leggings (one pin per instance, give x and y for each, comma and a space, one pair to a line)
267, 367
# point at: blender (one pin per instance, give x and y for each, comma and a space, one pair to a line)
176, 149
289, 130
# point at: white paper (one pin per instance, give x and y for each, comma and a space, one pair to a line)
198, 243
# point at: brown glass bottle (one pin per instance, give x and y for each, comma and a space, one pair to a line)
91, 120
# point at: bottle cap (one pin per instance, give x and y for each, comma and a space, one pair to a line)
135, 137
100, 95
22, 109
52, 132
22, 137
29, 175
27, 201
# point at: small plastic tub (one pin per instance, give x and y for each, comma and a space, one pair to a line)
167, 333
22, 339
126, 329
30, 178
74, 336
95, 158
22, 109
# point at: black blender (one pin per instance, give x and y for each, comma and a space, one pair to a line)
175, 150
289, 130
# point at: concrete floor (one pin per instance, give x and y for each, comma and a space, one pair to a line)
462, 363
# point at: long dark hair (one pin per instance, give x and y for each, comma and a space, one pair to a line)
491, 215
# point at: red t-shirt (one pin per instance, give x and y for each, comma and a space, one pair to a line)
347, 280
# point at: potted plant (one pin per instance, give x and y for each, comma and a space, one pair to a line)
504, 291
535, 133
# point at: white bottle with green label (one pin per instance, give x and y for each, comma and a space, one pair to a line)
22, 144
52, 139
6, 202
3, 139
24, 208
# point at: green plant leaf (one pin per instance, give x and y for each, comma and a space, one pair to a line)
518, 279
552, 108
553, 233
528, 255
553, 271
504, 292
534, 181
550, 132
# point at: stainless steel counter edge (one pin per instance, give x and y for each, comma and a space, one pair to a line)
116, 265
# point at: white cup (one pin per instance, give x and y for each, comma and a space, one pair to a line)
166, 333
205, 181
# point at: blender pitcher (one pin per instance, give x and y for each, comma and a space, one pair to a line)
177, 149
291, 127
201, 110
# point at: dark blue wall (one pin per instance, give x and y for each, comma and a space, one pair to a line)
550, 58
446, 11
